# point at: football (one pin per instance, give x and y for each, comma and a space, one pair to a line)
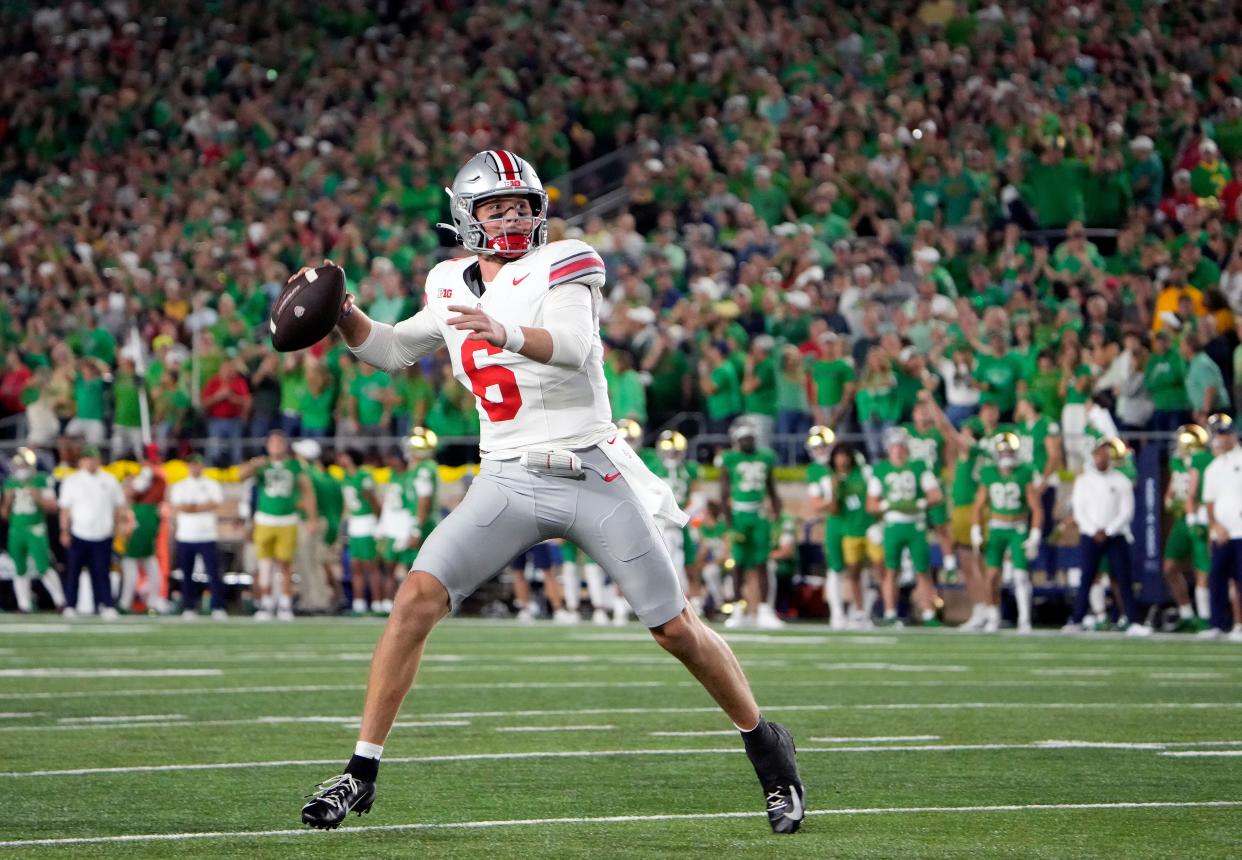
307, 308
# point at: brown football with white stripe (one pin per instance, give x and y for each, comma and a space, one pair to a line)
308, 308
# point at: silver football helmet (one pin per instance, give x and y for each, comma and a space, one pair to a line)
497, 173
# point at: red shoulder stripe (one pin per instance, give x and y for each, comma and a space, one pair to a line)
591, 261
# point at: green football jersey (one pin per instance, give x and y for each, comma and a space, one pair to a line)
966, 476
1180, 470
819, 481
328, 499
354, 488
1033, 441
852, 502
749, 475
680, 478
927, 448
901, 487
1007, 492
26, 510
422, 480
278, 487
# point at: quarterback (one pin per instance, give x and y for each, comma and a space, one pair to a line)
520, 321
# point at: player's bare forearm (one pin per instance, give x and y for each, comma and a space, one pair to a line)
537, 345
1037, 509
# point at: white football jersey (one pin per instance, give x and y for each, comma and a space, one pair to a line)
524, 404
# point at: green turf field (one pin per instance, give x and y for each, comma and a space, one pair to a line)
911, 744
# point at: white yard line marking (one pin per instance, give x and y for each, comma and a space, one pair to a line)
889, 738
721, 733
603, 728
1185, 676
125, 718
1075, 671
1047, 746
619, 819
120, 723
108, 673
86, 626
1204, 753
18, 715
891, 667
186, 691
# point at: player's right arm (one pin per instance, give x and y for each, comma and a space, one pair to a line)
247, 469
6, 504
726, 493
390, 347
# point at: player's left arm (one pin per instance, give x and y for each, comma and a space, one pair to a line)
932, 488
1056, 454
1192, 494
6, 504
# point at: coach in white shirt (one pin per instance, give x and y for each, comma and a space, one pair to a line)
92, 508
196, 501
1222, 493
1102, 504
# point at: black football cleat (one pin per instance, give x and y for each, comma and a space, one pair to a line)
335, 798
776, 765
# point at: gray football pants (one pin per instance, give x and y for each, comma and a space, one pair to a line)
509, 509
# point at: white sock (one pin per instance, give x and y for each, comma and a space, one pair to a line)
571, 585
360, 605
1185, 611
994, 614
950, 562
929, 614
1096, 597
21, 590
770, 602
1203, 602
366, 750
836, 605
596, 591
1022, 593
129, 582
890, 613
51, 581
284, 602
711, 581
869, 596
267, 602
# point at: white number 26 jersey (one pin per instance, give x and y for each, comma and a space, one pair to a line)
523, 404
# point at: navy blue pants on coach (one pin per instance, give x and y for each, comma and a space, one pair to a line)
191, 589
1117, 549
96, 557
1226, 565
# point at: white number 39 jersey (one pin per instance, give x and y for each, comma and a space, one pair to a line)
524, 404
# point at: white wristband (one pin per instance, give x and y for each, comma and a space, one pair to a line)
514, 338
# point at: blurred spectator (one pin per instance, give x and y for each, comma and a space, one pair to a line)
1165, 379
226, 399
1206, 391
127, 415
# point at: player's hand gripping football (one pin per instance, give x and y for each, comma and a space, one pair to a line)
347, 306
481, 326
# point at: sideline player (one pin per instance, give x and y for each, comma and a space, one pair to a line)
520, 321
667, 461
361, 512
27, 502
283, 488
902, 489
747, 478
145, 492
1186, 548
1009, 495
1222, 494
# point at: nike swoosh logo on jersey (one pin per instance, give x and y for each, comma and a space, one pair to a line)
613, 439
608, 479
796, 802
517, 281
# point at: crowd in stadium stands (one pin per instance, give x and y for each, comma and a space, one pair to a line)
877, 177
831, 215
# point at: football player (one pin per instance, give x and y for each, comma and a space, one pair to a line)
930, 447
519, 318
901, 490
362, 506
1186, 547
283, 488
667, 461
1008, 496
747, 480
28, 499
145, 492
395, 525
842, 492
